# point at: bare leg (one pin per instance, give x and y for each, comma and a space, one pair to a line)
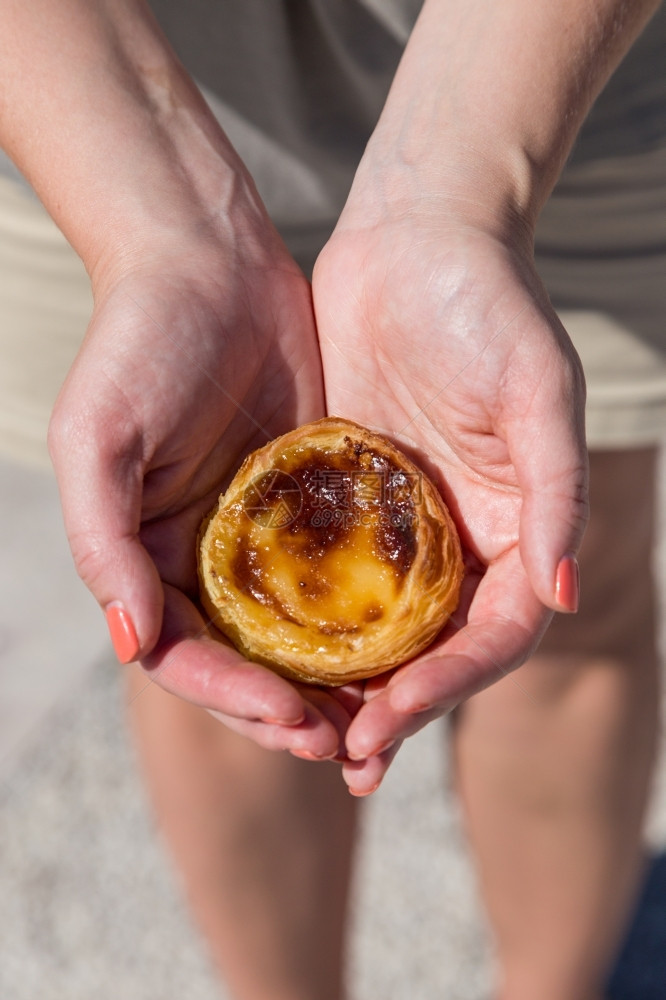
554, 762
263, 842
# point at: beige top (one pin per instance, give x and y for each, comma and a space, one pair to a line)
298, 86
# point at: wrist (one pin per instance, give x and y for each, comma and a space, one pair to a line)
449, 185
485, 105
172, 207
114, 135
158, 176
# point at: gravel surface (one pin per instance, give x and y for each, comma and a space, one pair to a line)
90, 907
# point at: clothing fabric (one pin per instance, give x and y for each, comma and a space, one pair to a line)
45, 305
601, 251
298, 86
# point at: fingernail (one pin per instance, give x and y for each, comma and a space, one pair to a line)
307, 755
272, 720
361, 793
122, 632
567, 584
382, 748
372, 753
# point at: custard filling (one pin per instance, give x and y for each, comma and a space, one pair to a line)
330, 557
325, 540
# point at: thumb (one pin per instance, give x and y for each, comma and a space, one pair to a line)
100, 481
551, 462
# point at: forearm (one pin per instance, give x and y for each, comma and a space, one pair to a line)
101, 117
489, 97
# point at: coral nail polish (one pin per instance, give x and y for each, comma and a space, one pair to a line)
307, 755
567, 584
122, 632
361, 793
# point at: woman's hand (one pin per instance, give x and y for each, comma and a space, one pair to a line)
195, 355
200, 348
435, 329
440, 335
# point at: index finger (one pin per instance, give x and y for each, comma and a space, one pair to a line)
188, 663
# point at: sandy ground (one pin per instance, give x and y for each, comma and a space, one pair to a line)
89, 905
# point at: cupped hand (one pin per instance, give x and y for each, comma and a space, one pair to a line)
197, 353
440, 335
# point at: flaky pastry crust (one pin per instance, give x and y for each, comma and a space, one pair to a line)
331, 557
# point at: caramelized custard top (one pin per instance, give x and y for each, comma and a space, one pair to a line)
327, 536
